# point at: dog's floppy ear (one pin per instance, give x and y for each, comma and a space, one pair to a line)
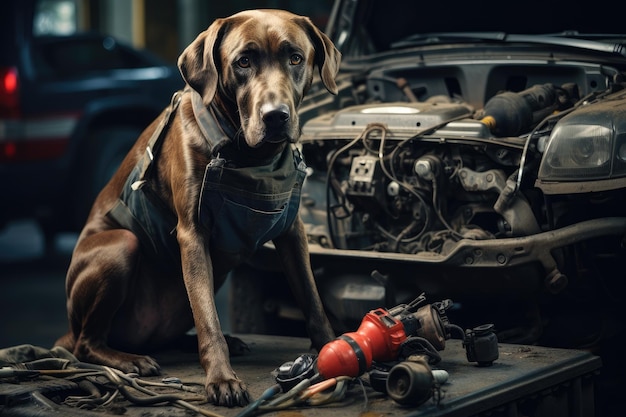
327, 57
199, 62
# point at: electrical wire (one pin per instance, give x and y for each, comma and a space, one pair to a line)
253, 407
400, 182
363, 135
122, 382
330, 182
440, 214
311, 395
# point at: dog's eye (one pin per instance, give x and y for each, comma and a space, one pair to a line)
295, 59
243, 62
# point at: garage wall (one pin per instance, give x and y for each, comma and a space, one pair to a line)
165, 27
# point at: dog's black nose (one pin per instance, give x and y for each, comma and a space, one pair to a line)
275, 116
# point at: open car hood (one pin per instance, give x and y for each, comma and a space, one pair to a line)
364, 27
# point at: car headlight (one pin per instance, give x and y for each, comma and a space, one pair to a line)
586, 148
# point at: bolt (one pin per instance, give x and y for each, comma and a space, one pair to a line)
393, 189
424, 169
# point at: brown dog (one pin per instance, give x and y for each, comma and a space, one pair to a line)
236, 121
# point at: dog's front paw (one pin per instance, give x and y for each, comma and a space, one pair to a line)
230, 393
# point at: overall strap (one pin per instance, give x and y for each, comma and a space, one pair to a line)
154, 144
216, 134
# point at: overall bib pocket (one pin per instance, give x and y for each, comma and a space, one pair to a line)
242, 208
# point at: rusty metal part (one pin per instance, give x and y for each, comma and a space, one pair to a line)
432, 328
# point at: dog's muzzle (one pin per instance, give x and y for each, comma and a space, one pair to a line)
275, 118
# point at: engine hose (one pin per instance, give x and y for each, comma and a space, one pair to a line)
311, 395
253, 406
338, 393
317, 388
300, 386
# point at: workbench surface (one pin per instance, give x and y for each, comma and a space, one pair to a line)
524, 379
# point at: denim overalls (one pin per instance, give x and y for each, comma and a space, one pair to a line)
240, 208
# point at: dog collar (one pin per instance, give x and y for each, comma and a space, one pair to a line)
216, 133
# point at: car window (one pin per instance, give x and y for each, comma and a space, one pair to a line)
64, 46
67, 56
57, 17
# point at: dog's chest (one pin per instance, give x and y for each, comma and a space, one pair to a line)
243, 207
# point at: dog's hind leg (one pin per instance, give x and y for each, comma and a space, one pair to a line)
100, 281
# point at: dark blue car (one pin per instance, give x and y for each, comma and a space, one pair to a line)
71, 105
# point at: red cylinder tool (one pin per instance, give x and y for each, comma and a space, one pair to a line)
379, 337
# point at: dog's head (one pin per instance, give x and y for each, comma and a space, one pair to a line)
259, 64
